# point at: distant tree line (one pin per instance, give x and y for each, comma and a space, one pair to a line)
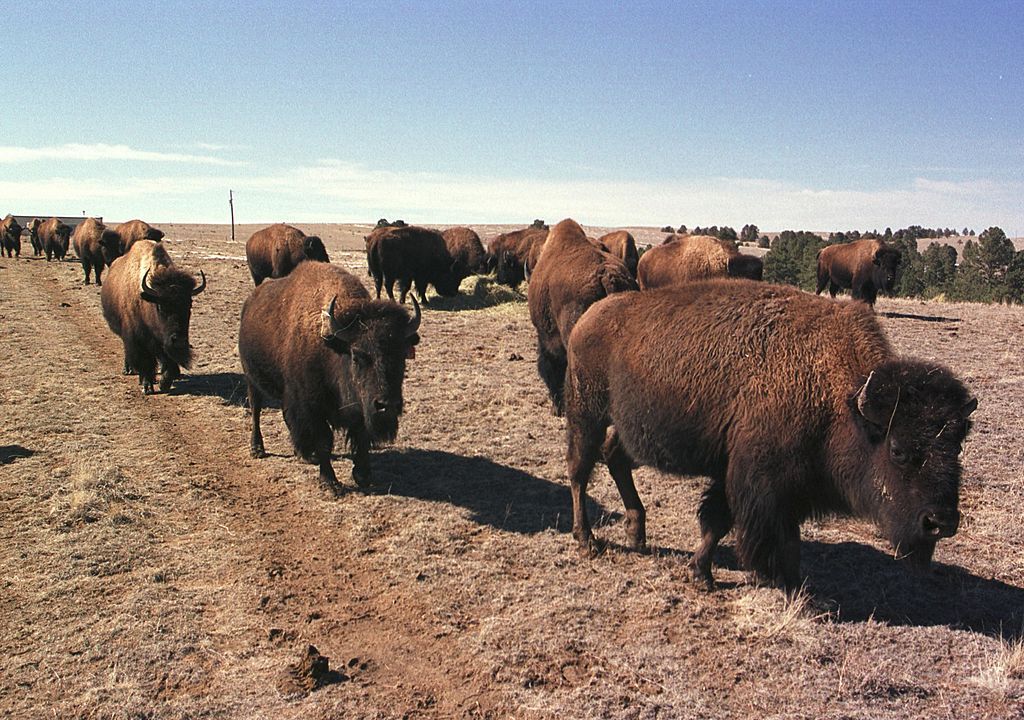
989, 269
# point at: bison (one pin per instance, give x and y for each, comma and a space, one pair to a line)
96, 246
134, 230
685, 258
54, 236
511, 253
621, 244
334, 358
276, 250
147, 302
10, 237
571, 274
794, 406
465, 248
413, 255
33, 236
864, 266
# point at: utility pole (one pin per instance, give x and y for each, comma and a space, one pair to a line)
231, 203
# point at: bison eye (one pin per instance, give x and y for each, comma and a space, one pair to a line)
898, 455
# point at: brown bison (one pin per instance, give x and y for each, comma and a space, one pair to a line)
726, 378
134, 230
864, 266
621, 244
147, 302
96, 246
511, 253
10, 237
54, 236
572, 273
413, 255
334, 358
278, 249
33, 235
465, 248
685, 258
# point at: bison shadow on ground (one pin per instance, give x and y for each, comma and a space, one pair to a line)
228, 386
864, 583
497, 495
10, 453
923, 318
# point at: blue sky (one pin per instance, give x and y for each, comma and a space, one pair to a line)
816, 115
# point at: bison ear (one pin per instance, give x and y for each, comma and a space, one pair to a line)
969, 407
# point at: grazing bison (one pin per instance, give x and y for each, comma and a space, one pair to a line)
413, 255
622, 245
726, 378
511, 253
276, 250
96, 245
572, 273
685, 258
33, 236
465, 248
147, 301
334, 358
10, 237
864, 266
134, 230
54, 237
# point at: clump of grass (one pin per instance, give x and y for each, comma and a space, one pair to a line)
770, 614
91, 494
478, 292
1004, 673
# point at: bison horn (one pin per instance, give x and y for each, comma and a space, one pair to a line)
202, 285
328, 325
862, 394
414, 324
526, 269
146, 288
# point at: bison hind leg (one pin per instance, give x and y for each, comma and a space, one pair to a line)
551, 368
256, 447
620, 466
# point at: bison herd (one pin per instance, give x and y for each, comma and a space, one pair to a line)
793, 405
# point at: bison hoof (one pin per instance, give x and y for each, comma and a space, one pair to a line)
257, 452
165, 385
331, 486
703, 577
147, 389
361, 476
591, 548
556, 410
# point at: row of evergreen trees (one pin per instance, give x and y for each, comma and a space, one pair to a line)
988, 269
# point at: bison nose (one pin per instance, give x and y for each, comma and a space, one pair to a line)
383, 406
940, 523
174, 338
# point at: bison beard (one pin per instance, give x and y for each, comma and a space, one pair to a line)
726, 379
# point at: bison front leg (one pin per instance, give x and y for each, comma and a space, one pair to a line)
169, 372
715, 523
620, 465
359, 440
256, 448
313, 440
768, 536
98, 271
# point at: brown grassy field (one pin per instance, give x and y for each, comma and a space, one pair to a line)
149, 568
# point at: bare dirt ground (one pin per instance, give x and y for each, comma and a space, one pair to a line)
149, 568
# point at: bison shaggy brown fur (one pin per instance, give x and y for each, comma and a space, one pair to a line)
510, 254
413, 255
686, 258
793, 405
10, 237
275, 251
134, 230
334, 358
863, 266
96, 246
571, 274
465, 248
147, 302
621, 244
54, 236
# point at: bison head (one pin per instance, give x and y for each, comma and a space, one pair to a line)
110, 246
374, 337
171, 291
510, 270
313, 248
63, 234
886, 262
916, 417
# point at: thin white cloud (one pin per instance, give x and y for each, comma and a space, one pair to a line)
102, 151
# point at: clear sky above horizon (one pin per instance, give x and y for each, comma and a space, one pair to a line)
804, 115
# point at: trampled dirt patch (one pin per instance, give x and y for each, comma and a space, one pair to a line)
150, 568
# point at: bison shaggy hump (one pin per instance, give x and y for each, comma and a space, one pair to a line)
621, 244
864, 266
134, 230
275, 251
686, 258
571, 274
96, 246
147, 302
334, 358
466, 249
793, 405
54, 237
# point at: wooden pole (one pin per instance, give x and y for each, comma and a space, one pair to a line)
231, 203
